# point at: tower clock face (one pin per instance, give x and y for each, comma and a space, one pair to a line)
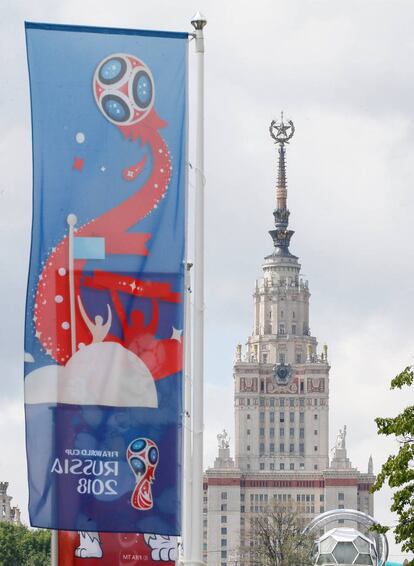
281, 373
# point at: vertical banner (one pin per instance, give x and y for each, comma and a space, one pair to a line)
104, 314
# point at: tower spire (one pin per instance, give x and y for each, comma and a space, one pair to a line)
281, 133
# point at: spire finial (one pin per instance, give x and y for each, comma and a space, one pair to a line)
281, 133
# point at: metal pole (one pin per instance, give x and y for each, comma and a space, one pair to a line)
198, 22
54, 550
187, 488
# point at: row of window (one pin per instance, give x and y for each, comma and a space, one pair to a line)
292, 432
283, 448
271, 414
282, 417
272, 466
266, 402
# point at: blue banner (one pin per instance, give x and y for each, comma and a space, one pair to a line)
104, 313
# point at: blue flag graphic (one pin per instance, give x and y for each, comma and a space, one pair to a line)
104, 313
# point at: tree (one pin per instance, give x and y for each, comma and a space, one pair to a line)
276, 538
398, 470
20, 546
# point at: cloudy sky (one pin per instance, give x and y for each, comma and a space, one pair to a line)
343, 72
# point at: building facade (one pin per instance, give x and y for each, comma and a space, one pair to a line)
281, 405
7, 512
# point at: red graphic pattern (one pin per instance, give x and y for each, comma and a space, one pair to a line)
52, 310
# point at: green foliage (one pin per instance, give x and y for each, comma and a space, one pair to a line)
276, 538
20, 546
398, 470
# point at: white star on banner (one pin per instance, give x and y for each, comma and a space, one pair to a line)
176, 334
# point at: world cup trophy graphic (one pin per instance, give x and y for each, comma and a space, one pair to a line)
142, 456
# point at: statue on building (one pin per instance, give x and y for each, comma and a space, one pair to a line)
223, 439
340, 439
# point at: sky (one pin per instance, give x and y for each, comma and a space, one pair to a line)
342, 71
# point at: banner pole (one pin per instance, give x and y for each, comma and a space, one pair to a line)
198, 22
187, 487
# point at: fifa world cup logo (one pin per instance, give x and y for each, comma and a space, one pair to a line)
143, 456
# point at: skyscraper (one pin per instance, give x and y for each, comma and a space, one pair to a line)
281, 403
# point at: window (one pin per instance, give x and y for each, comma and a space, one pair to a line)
301, 418
272, 416
247, 401
282, 466
315, 432
315, 448
262, 401
292, 417
281, 330
293, 315
262, 417
248, 432
341, 496
223, 530
315, 466
262, 466
282, 314
242, 497
301, 448
291, 402
223, 542
272, 447
224, 553
301, 433
301, 466
321, 497
248, 416
261, 431
302, 386
224, 518
248, 448
298, 358
272, 466
315, 417
282, 402
282, 447
272, 432
282, 417
291, 448
282, 432
264, 358
292, 466
272, 402
291, 432
282, 357
242, 508
224, 494
223, 507
261, 448
293, 329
